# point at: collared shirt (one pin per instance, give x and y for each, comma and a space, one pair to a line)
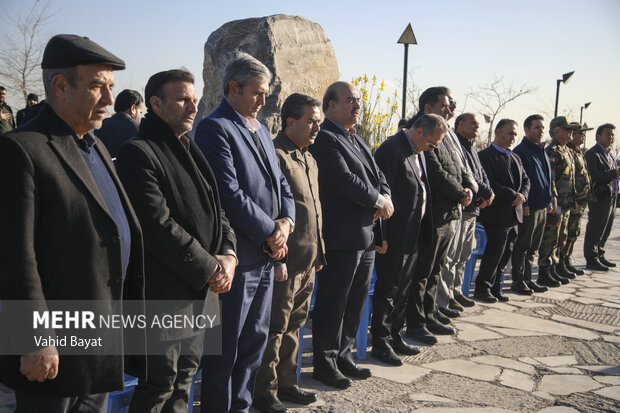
109, 192
253, 124
506, 152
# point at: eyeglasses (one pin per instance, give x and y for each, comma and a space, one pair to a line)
432, 145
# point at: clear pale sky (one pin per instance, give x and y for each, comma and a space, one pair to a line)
461, 44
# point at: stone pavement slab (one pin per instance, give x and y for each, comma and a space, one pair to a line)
513, 332
558, 409
505, 362
425, 397
612, 392
466, 368
529, 360
615, 380
565, 370
564, 384
463, 410
606, 328
400, 374
470, 332
499, 318
611, 339
516, 380
556, 361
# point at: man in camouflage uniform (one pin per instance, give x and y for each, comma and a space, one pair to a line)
563, 189
582, 194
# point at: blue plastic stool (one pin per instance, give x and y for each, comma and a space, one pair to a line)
470, 266
361, 341
118, 401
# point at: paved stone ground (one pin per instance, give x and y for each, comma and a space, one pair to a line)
553, 352
557, 351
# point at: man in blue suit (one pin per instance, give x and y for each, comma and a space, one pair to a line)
258, 202
354, 194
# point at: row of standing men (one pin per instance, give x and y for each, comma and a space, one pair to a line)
219, 213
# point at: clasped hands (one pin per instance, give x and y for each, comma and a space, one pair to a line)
277, 241
40, 365
386, 211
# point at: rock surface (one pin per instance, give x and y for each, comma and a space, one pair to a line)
296, 51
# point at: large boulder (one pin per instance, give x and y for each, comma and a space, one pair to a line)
296, 51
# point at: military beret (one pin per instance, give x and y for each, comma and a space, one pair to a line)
69, 50
560, 122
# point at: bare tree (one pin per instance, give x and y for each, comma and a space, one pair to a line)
491, 98
413, 95
22, 48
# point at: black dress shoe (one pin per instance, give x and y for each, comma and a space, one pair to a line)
596, 265
521, 288
269, 404
421, 334
400, 347
569, 266
535, 287
385, 354
606, 263
296, 395
442, 318
448, 312
454, 305
331, 378
464, 301
485, 297
353, 370
500, 297
439, 328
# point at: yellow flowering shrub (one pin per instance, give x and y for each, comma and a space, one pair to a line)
377, 111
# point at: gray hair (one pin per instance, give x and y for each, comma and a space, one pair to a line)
430, 123
49, 75
243, 69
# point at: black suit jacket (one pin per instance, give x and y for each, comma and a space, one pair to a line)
601, 172
505, 187
172, 193
447, 180
350, 183
396, 159
116, 130
59, 242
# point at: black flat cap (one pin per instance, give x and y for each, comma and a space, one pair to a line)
69, 50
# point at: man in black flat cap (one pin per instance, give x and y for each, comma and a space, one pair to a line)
68, 230
31, 100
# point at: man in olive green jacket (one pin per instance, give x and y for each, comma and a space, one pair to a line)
292, 291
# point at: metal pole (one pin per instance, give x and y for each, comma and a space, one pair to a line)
557, 96
405, 81
580, 115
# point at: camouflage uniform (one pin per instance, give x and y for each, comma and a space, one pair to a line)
563, 188
582, 194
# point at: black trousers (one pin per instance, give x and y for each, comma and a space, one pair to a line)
600, 220
500, 240
527, 243
35, 403
389, 301
433, 247
169, 377
341, 291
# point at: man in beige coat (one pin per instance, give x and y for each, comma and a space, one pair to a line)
277, 376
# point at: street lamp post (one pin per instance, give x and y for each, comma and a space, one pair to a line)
406, 39
585, 106
564, 79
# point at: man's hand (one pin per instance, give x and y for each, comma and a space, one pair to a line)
468, 197
40, 365
618, 173
491, 199
386, 211
4, 116
383, 248
519, 199
318, 268
221, 280
526, 211
483, 202
280, 235
279, 253
280, 273
553, 209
